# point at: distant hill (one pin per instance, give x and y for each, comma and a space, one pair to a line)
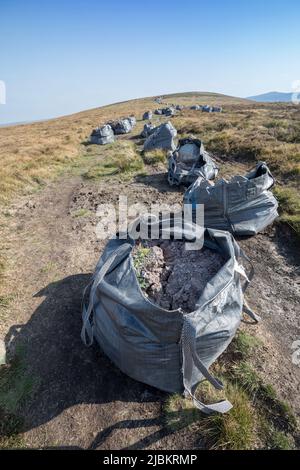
272, 97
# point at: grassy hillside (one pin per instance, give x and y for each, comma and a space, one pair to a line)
48, 249
245, 132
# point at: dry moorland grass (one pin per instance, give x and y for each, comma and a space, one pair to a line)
245, 132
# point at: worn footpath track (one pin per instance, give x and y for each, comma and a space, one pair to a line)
80, 398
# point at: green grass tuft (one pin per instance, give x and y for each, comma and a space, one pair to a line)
140, 256
118, 158
244, 344
278, 440
155, 157
289, 206
15, 384
81, 213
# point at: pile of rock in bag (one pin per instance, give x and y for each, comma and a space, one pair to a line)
206, 108
168, 111
189, 161
106, 134
160, 137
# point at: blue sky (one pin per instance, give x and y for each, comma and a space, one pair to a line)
59, 57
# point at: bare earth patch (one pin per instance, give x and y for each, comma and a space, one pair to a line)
77, 398
80, 398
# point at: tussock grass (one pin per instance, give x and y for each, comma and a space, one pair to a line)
10, 428
258, 418
244, 133
236, 429
121, 157
155, 157
245, 344
15, 383
289, 201
16, 386
278, 440
233, 430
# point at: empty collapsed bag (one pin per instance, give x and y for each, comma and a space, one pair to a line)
244, 205
167, 349
189, 161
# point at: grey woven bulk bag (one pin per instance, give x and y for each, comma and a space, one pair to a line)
167, 349
169, 111
244, 205
207, 109
161, 138
147, 115
102, 135
158, 111
132, 121
121, 126
147, 130
196, 107
179, 107
189, 161
216, 109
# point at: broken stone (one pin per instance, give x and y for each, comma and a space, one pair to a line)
173, 277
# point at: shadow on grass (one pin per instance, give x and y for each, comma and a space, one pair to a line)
67, 372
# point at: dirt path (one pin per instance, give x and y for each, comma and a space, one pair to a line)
81, 399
